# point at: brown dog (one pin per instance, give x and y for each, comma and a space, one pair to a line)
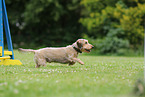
61, 55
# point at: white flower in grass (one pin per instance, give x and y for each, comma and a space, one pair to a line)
37, 80
40, 70
57, 81
24, 70
43, 70
18, 82
128, 80
29, 70
75, 71
81, 84
16, 91
41, 89
5, 83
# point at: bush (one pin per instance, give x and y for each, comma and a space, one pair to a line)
111, 43
116, 16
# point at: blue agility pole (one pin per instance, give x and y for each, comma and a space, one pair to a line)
6, 57
7, 29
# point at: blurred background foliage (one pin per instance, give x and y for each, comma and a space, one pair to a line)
112, 26
44, 22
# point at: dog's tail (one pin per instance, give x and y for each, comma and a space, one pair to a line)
26, 50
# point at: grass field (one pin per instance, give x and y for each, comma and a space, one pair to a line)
100, 77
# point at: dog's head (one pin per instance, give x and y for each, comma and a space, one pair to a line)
83, 45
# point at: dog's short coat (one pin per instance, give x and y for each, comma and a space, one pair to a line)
66, 55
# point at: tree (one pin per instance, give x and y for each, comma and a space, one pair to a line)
44, 22
101, 23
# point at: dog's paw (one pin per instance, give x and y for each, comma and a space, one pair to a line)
82, 63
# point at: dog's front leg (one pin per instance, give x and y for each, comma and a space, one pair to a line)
78, 60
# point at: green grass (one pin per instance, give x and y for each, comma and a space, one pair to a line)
100, 77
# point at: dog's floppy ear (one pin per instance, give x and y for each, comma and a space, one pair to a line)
79, 43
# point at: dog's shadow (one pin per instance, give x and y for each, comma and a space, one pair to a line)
56, 66
60, 66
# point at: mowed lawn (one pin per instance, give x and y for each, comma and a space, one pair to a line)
101, 76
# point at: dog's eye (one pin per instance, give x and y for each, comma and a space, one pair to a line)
85, 42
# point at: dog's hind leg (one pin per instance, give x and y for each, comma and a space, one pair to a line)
71, 63
39, 61
37, 65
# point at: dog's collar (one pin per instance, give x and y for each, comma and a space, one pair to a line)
78, 50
